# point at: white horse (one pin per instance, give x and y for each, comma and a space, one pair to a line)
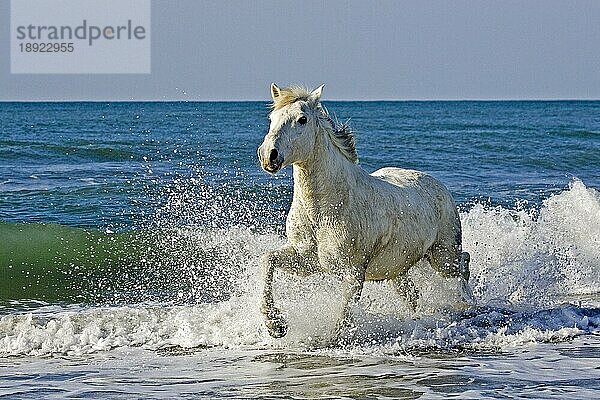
345, 221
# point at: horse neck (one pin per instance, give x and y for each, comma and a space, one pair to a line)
322, 182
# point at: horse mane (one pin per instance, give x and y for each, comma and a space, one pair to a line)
290, 95
341, 135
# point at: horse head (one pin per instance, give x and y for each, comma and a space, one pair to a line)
294, 121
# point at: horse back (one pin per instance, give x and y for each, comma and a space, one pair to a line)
422, 188
408, 178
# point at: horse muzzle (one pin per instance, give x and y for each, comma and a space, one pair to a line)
272, 161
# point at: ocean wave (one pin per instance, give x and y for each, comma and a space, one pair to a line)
535, 274
237, 323
532, 257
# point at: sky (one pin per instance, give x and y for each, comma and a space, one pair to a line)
361, 50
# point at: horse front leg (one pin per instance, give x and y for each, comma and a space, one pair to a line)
284, 257
352, 285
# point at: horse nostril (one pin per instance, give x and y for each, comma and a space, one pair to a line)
273, 155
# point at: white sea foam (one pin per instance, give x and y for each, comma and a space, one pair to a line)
526, 265
536, 257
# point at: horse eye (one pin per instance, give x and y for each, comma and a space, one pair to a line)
302, 120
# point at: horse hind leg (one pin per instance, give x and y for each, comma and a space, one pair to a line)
463, 265
406, 288
451, 262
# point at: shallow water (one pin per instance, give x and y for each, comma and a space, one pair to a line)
130, 235
541, 370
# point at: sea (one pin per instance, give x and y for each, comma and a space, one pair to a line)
130, 234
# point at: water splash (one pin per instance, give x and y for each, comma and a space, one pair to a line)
536, 257
535, 274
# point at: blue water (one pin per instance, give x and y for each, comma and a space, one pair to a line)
102, 164
130, 234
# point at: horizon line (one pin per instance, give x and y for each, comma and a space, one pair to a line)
267, 101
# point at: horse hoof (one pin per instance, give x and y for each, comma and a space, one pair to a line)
277, 328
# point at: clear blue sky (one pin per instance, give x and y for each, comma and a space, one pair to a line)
226, 50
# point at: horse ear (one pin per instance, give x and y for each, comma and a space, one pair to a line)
275, 91
316, 94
